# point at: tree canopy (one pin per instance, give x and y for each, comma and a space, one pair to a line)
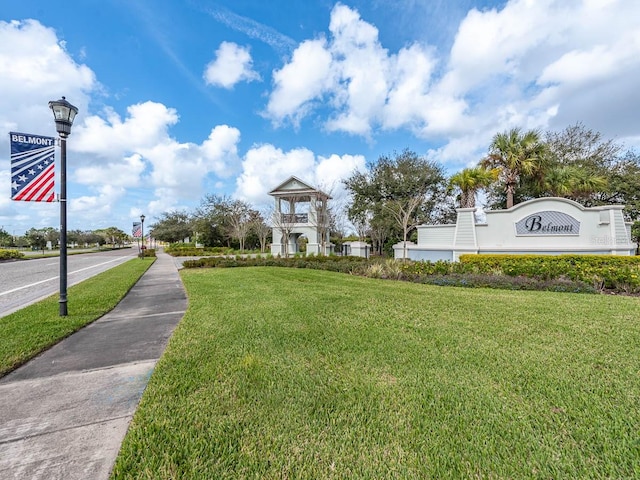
6, 240
172, 226
38, 238
515, 154
113, 235
575, 163
469, 181
396, 193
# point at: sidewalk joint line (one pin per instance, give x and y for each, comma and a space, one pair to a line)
40, 434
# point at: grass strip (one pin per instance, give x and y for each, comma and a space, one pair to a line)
35, 328
289, 373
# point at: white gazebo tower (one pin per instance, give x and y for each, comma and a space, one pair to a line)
301, 210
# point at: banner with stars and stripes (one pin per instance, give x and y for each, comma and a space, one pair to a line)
137, 230
32, 167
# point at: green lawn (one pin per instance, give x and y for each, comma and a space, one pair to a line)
29, 331
281, 373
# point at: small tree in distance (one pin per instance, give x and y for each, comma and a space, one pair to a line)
173, 226
239, 221
403, 212
261, 229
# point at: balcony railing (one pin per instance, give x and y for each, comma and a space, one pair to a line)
295, 218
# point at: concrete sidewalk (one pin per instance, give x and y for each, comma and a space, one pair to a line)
64, 414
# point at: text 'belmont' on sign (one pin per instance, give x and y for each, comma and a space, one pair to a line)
548, 223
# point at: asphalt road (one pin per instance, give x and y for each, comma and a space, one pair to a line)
27, 281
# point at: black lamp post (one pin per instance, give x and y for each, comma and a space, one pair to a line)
142, 222
63, 113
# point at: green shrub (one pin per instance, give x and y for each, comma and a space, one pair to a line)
418, 269
179, 245
10, 254
186, 250
602, 271
336, 264
477, 280
189, 250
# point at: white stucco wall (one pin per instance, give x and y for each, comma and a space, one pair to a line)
357, 249
436, 235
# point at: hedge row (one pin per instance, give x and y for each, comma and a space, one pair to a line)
10, 254
507, 283
181, 250
603, 272
332, 263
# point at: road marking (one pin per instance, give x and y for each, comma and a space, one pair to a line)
27, 286
53, 278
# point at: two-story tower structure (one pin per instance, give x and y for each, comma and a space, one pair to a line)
300, 210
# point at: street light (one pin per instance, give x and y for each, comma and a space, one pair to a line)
142, 222
63, 114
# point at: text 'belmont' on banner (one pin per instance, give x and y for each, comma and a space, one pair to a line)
32, 167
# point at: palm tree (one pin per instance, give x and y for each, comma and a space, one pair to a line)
585, 183
470, 181
558, 181
572, 182
515, 154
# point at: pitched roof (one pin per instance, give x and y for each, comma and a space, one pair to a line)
294, 185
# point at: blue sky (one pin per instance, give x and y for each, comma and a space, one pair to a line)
179, 99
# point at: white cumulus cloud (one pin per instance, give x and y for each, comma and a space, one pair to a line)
232, 64
142, 153
264, 167
544, 64
146, 125
299, 82
34, 69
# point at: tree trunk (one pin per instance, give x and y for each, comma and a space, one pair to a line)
510, 190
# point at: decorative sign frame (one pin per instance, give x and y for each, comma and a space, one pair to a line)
547, 223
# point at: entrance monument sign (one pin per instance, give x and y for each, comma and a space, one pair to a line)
545, 226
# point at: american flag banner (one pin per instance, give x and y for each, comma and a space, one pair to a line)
137, 230
32, 167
